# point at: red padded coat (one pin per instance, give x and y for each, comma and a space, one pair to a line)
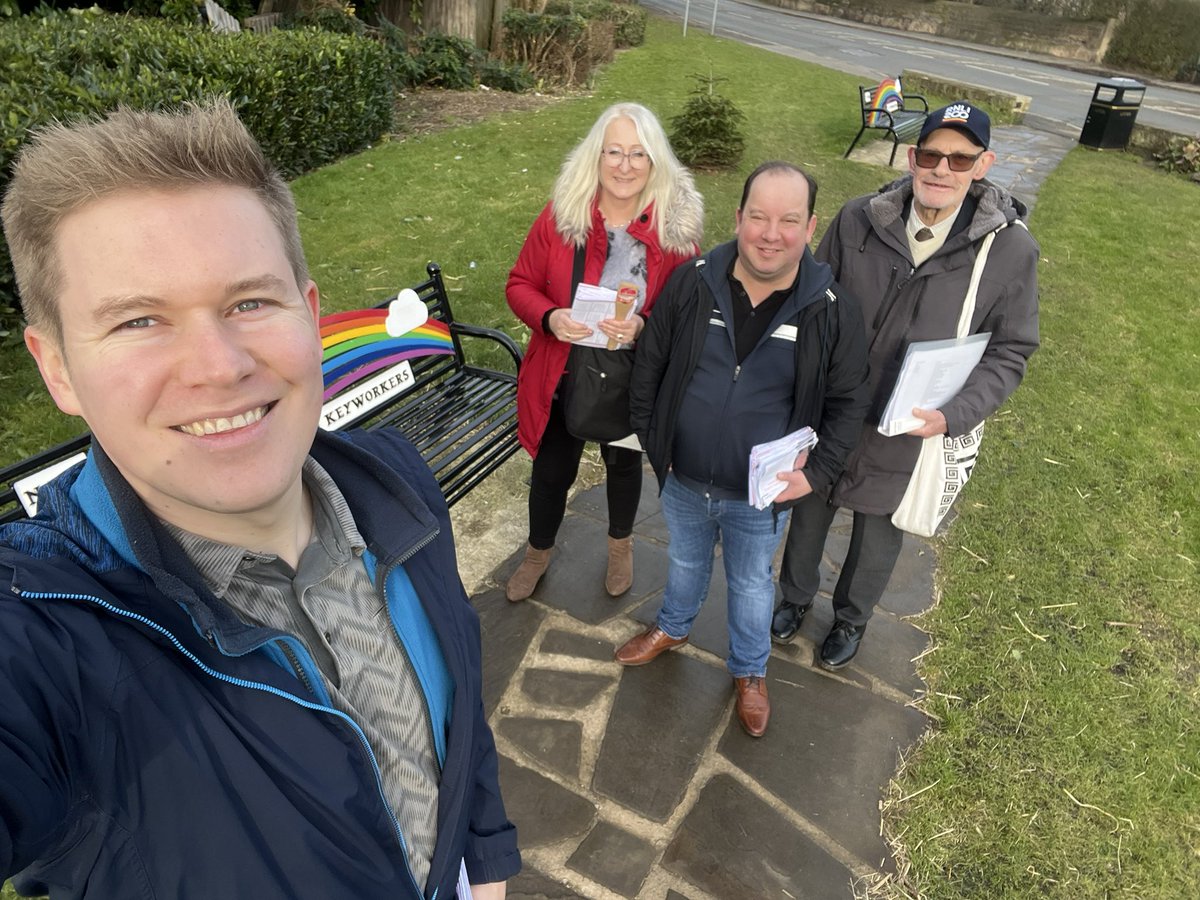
541, 281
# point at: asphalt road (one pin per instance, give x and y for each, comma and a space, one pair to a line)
1060, 96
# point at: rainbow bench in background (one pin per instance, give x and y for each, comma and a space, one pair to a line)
397, 365
883, 106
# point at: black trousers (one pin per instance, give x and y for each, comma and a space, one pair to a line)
554, 471
874, 548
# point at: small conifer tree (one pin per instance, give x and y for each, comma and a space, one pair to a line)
707, 134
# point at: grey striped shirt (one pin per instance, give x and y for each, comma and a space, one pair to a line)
330, 603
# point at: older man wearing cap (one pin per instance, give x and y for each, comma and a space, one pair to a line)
907, 252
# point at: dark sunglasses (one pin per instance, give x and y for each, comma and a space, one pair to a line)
958, 162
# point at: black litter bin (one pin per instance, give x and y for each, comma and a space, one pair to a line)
1110, 118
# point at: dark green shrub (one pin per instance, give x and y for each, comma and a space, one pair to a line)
555, 47
308, 96
628, 19
327, 18
447, 61
707, 134
1157, 36
503, 76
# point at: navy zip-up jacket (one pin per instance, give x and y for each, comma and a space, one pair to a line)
154, 746
696, 410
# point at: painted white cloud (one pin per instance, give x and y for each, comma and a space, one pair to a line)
405, 313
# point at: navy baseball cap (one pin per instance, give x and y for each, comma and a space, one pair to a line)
971, 120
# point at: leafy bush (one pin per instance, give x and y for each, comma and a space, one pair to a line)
628, 20
560, 47
1181, 155
308, 96
1157, 36
504, 76
447, 61
707, 134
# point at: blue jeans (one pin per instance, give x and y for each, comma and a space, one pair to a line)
749, 538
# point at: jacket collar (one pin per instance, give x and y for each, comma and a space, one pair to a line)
814, 280
393, 529
986, 207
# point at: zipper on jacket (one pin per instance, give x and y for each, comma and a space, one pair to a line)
255, 686
404, 651
294, 661
737, 370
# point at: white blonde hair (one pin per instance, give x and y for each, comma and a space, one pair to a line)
577, 183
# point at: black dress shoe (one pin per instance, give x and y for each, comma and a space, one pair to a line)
841, 645
786, 621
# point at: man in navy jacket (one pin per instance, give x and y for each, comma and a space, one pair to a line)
241, 662
748, 343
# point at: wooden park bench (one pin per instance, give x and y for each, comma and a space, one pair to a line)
409, 374
883, 106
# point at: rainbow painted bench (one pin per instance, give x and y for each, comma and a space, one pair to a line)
885, 106
396, 365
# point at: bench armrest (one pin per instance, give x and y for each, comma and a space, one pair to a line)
924, 102
463, 330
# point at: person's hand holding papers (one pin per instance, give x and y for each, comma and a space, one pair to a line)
935, 422
566, 328
797, 483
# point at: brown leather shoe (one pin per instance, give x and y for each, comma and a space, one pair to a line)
619, 577
528, 574
640, 649
753, 707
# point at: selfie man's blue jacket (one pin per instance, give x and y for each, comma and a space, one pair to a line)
154, 746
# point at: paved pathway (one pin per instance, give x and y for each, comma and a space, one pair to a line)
639, 783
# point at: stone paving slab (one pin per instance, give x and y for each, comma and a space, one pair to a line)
550, 743
886, 652
574, 583
663, 716
564, 643
544, 811
614, 858
507, 630
572, 690
733, 845
832, 747
530, 884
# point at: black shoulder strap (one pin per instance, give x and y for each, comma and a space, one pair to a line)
577, 270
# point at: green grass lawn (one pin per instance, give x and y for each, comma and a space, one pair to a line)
1065, 759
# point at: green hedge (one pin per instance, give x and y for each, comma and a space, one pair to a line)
309, 96
1158, 36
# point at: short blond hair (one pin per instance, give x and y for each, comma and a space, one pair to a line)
62, 168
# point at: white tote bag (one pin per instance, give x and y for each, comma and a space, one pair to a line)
945, 462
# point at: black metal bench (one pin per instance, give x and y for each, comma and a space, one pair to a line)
883, 106
462, 418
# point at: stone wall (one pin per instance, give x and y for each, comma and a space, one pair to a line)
1015, 29
1005, 108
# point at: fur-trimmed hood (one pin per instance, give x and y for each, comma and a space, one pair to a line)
994, 205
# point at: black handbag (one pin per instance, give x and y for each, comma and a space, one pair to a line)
596, 385
596, 395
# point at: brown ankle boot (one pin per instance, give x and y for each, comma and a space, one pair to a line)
619, 577
528, 574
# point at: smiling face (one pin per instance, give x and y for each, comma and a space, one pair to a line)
773, 228
622, 183
939, 191
189, 350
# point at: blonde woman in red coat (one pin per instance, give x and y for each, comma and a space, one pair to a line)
632, 207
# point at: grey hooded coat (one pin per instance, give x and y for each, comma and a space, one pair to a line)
867, 248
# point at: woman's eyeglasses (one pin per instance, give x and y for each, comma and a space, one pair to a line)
958, 162
614, 156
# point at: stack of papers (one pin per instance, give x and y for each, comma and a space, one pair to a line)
769, 459
932, 373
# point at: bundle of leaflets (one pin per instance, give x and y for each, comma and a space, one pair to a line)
769, 459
